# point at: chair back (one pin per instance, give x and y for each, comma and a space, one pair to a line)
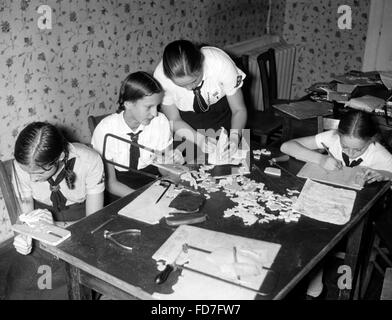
269, 83
93, 121
330, 124
242, 62
8, 191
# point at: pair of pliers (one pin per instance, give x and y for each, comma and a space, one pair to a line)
109, 234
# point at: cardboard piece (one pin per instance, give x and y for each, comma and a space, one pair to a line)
219, 265
352, 178
44, 232
144, 208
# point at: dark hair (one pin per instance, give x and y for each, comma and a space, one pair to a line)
136, 86
41, 144
358, 124
182, 58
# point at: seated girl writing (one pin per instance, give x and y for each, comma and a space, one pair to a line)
353, 143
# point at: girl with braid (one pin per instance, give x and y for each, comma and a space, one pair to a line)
58, 182
138, 120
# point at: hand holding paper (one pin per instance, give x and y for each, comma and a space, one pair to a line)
35, 216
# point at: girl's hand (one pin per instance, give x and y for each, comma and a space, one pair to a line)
23, 244
177, 157
37, 215
170, 157
330, 163
371, 176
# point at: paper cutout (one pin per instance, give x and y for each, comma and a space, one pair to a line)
144, 208
325, 203
217, 156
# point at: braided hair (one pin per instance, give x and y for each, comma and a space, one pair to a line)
42, 144
136, 86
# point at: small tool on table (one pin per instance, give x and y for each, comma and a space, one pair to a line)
283, 158
101, 225
109, 235
164, 191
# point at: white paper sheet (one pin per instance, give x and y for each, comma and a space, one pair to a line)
325, 203
144, 208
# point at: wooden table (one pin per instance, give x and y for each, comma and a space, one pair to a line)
96, 263
302, 110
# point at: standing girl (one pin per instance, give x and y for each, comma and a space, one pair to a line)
202, 91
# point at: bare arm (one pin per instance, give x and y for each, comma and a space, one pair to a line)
113, 185
27, 205
238, 117
304, 149
94, 202
238, 109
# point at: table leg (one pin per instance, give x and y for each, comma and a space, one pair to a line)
76, 291
320, 126
287, 131
351, 259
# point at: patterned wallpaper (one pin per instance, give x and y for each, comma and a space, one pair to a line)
64, 74
322, 48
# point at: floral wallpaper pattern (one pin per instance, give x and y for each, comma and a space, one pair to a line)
323, 50
74, 70
64, 74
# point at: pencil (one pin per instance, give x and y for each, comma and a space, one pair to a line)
329, 152
163, 193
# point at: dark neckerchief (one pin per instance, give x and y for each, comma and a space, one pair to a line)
199, 104
134, 151
353, 163
57, 197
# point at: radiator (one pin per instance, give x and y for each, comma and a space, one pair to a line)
285, 59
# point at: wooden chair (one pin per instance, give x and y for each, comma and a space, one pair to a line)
381, 247
93, 121
327, 124
6, 247
7, 189
386, 293
265, 124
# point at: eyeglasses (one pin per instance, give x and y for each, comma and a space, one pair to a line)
51, 165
